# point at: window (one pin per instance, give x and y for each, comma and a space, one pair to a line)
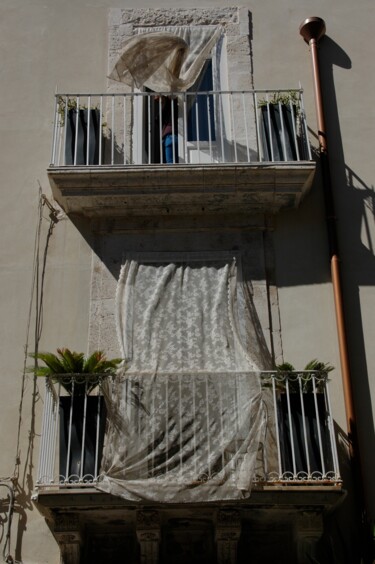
201, 120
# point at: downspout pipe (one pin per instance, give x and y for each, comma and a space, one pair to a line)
312, 30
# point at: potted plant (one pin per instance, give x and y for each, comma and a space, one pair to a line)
278, 126
302, 407
81, 132
82, 415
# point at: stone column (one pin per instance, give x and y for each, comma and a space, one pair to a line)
228, 531
66, 530
148, 534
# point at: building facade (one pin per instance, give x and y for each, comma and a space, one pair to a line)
166, 203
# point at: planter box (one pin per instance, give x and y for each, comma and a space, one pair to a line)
275, 118
92, 438
88, 133
312, 424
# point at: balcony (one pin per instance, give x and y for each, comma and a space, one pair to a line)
296, 478
297, 447
233, 152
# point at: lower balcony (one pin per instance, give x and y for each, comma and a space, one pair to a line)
185, 430
147, 154
182, 451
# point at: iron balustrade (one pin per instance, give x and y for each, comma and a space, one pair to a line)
226, 127
297, 446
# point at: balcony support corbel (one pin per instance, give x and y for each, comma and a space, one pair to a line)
66, 530
309, 529
148, 534
228, 531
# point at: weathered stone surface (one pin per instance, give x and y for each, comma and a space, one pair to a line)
178, 16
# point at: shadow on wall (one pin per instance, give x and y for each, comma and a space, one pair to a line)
309, 263
341, 542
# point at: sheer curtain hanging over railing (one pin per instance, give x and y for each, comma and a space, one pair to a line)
187, 411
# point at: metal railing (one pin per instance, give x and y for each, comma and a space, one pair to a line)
144, 128
297, 444
73, 427
301, 426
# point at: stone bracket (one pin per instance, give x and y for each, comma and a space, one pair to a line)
228, 531
148, 535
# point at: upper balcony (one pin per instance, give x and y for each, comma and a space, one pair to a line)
229, 152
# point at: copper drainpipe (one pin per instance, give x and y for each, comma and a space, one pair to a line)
312, 29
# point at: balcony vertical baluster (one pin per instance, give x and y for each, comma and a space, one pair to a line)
161, 131
282, 122
235, 445
76, 132
246, 129
56, 410
173, 133
65, 124
259, 144
270, 127
100, 129
209, 127
88, 130
84, 419
167, 427
331, 431
221, 126
295, 139
208, 428
194, 429
55, 127
233, 126
113, 129
185, 128
306, 444
291, 429
69, 433
197, 125
52, 430
45, 472
305, 130
221, 424
124, 128
149, 128
180, 424
320, 442
273, 380
97, 433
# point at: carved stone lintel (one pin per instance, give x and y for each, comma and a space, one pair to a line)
66, 530
228, 531
148, 534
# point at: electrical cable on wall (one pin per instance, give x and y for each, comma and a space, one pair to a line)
36, 308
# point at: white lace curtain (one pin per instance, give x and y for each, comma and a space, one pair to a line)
167, 59
185, 417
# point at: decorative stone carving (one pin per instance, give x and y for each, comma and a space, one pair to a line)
228, 531
66, 529
148, 534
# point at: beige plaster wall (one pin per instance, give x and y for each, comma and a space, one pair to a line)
44, 44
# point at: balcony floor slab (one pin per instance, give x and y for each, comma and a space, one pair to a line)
150, 190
